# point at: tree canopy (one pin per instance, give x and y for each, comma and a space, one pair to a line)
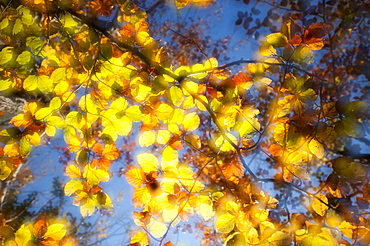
264, 150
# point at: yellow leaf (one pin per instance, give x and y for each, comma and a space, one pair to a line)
23, 236
181, 3
164, 112
190, 86
193, 140
211, 63
94, 176
177, 116
11, 150
277, 39
148, 162
280, 238
347, 229
252, 236
163, 136
72, 186
73, 172
55, 231
110, 152
170, 158
158, 229
5, 170
146, 138
318, 205
316, 148
223, 144
225, 223
141, 238
191, 122
206, 211
176, 96
87, 207
135, 177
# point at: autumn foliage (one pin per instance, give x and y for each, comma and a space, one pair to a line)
198, 128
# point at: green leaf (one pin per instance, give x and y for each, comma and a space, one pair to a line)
176, 96
5, 84
4, 23
43, 113
6, 55
353, 128
45, 84
24, 58
58, 74
17, 26
248, 127
277, 39
347, 168
356, 109
34, 43
25, 147
55, 103
134, 113
305, 55
69, 21
27, 19
30, 83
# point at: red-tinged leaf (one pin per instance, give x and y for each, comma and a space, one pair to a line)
318, 30
296, 40
110, 152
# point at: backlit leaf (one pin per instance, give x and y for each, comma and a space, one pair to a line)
55, 232
163, 136
158, 229
191, 122
72, 186
316, 148
170, 158
347, 229
277, 39
141, 238
73, 172
225, 223
146, 138
319, 204
148, 162
224, 144
23, 236
176, 95
94, 176
135, 177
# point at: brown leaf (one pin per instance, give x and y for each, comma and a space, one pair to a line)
317, 30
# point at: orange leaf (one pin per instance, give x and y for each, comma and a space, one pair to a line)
135, 177
110, 152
